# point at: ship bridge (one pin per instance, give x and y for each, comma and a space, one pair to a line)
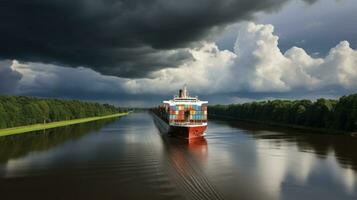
184, 98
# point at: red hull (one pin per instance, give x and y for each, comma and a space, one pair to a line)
188, 132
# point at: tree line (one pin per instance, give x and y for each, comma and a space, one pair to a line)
21, 110
338, 114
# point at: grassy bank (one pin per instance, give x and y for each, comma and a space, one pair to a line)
36, 127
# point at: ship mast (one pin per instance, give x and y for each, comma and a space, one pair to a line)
185, 94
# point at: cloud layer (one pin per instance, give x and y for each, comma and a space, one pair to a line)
126, 38
257, 66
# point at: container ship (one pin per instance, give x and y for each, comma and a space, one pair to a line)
183, 116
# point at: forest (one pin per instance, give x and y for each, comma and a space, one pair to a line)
21, 110
330, 114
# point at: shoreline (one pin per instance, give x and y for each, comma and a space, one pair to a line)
296, 127
37, 127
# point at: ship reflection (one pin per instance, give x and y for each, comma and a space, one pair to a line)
186, 160
198, 147
195, 148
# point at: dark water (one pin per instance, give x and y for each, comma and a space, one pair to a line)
128, 158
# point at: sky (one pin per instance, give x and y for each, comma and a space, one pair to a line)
140, 52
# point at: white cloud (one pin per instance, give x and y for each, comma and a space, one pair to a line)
256, 65
206, 74
9, 77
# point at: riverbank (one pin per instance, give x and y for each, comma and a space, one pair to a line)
322, 115
36, 127
273, 124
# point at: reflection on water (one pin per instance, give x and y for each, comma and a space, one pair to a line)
285, 164
20, 145
342, 147
183, 158
129, 158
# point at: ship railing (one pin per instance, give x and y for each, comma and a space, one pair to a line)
188, 123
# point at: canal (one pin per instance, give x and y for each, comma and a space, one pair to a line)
128, 158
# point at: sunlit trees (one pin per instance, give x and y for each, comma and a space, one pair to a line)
18, 111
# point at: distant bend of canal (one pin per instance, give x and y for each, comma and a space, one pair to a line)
128, 158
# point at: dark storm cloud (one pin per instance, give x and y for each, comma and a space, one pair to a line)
310, 1
116, 37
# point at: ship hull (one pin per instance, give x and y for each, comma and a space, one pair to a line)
187, 132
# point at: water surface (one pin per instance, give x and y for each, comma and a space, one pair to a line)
128, 158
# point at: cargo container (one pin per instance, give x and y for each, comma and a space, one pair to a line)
184, 116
